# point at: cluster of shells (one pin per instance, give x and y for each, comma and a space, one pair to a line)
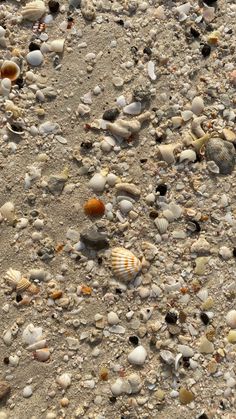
19, 283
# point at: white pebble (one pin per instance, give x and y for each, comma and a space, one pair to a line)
137, 356
225, 253
125, 206
27, 391
197, 105
112, 318
185, 350
35, 58
111, 179
97, 182
133, 108
64, 380
231, 319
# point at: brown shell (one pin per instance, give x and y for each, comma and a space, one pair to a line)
10, 70
94, 207
25, 285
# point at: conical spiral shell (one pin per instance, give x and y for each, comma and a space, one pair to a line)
125, 264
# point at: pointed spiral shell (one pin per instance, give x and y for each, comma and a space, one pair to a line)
125, 264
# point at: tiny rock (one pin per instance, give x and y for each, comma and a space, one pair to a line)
185, 396
206, 347
137, 356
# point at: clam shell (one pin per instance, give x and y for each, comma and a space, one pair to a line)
13, 277
24, 284
161, 224
125, 264
33, 10
15, 128
10, 70
222, 153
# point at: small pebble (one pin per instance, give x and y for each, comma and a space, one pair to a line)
27, 392
137, 356
231, 319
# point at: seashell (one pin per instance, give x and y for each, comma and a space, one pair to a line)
231, 319
11, 107
10, 70
15, 128
35, 58
133, 108
94, 207
189, 155
167, 152
25, 285
196, 126
32, 334
57, 45
151, 70
197, 105
125, 265
167, 357
7, 210
13, 277
42, 355
37, 345
161, 224
5, 87
200, 142
34, 10
222, 153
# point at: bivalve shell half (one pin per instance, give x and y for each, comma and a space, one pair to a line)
162, 225
57, 45
125, 264
25, 285
13, 277
10, 70
34, 10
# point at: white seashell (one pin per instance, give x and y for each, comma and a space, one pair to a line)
13, 277
133, 108
151, 70
125, 265
231, 319
34, 10
137, 356
2, 32
196, 126
197, 105
189, 155
175, 209
49, 127
42, 355
186, 115
35, 58
57, 45
32, 334
5, 87
64, 380
97, 182
37, 345
161, 224
15, 129
168, 214
167, 152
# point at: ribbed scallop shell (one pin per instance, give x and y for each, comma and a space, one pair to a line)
161, 224
13, 277
125, 264
25, 285
222, 153
33, 10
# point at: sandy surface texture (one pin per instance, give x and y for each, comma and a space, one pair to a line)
117, 209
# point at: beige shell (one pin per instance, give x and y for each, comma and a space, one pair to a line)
34, 10
162, 224
42, 355
57, 45
187, 155
25, 285
166, 152
13, 277
124, 264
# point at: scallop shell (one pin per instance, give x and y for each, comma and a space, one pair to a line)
161, 224
222, 153
10, 70
94, 207
13, 277
33, 10
124, 264
25, 285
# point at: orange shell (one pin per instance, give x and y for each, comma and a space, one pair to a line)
10, 70
94, 207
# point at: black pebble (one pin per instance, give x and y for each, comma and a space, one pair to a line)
134, 340
206, 50
20, 82
171, 317
209, 2
33, 46
111, 114
198, 227
112, 399
234, 252
203, 416
194, 32
204, 318
53, 6
162, 189
6, 360
147, 51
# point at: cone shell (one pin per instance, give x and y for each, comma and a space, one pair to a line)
10, 70
34, 10
13, 277
124, 264
94, 207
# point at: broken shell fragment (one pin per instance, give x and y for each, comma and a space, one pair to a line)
33, 11
15, 128
187, 155
57, 45
166, 152
10, 70
42, 355
5, 87
125, 264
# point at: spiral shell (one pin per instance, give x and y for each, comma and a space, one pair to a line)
34, 10
125, 264
222, 153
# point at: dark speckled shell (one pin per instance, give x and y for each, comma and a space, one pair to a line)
222, 153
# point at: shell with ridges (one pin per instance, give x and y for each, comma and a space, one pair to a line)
13, 277
25, 285
125, 264
34, 10
161, 224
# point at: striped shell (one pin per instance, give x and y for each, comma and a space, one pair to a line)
25, 285
13, 277
222, 153
34, 10
161, 224
124, 264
